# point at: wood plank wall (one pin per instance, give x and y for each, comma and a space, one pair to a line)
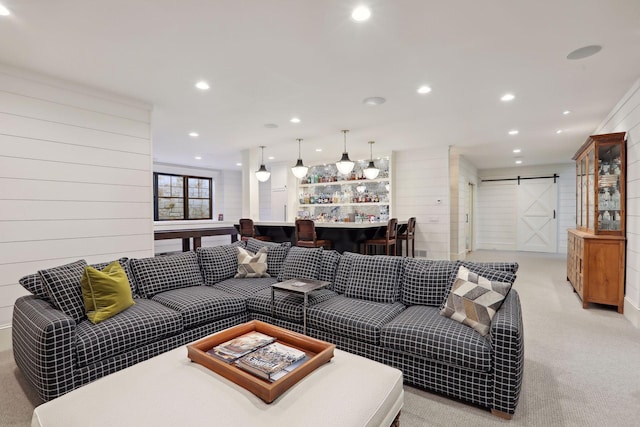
421, 178
75, 178
625, 117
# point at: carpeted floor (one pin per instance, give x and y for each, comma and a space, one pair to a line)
582, 367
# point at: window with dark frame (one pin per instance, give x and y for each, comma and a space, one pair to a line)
180, 197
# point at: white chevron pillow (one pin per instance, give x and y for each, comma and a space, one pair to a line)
252, 265
474, 300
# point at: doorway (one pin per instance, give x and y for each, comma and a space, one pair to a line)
537, 201
469, 219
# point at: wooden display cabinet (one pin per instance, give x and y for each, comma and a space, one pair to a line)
596, 248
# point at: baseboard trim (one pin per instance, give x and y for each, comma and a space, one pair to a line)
632, 313
5, 338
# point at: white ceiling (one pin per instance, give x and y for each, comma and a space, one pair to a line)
270, 60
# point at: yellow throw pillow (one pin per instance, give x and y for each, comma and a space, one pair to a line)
105, 293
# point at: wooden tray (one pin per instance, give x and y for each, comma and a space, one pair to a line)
319, 352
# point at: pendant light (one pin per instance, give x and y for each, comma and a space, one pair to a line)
299, 170
371, 171
262, 174
345, 165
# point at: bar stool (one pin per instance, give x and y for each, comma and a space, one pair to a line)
388, 241
247, 230
306, 235
409, 234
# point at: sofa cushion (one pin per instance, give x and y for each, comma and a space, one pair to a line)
163, 273
301, 263
375, 278
218, 263
201, 304
474, 300
422, 331
343, 271
145, 322
105, 292
357, 319
245, 287
328, 266
277, 253
34, 284
254, 245
425, 282
252, 265
287, 305
511, 267
63, 286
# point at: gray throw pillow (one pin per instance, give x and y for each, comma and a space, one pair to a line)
64, 287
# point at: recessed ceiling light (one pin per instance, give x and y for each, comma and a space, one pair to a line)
271, 125
361, 13
270, 157
238, 164
4, 11
559, 131
194, 134
198, 157
424, 89
513, 132
508, 97
374, 100
295, 120
565, 112
318, 149
516, 150
202, 85
584, 52
518, 162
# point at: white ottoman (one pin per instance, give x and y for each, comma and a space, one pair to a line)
170, 390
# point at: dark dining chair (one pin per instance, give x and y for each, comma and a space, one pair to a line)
247, 230
409, 234
306, 235
388, 241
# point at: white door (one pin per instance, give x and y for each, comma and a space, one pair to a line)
537, 207
468, 209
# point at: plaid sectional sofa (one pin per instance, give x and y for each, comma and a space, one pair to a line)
380, 307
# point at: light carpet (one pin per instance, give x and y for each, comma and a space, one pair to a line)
582, 367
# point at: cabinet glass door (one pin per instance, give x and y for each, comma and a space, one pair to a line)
609, 203
590, 191
583, 192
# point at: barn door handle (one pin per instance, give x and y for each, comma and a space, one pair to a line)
554, 214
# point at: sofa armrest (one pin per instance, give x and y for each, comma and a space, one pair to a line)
43, 346
507, 340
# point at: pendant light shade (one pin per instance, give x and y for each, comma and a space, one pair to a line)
262, 173
345, 165
299, 170
371, 171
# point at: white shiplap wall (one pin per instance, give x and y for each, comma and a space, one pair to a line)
497, 205
75, 178
625, 117
420, 179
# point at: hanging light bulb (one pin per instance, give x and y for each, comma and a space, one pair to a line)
371, 171
345, 165
299, 170
262, 173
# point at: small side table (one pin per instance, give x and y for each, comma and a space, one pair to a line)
297, 286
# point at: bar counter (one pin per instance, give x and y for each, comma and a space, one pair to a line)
346, 236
